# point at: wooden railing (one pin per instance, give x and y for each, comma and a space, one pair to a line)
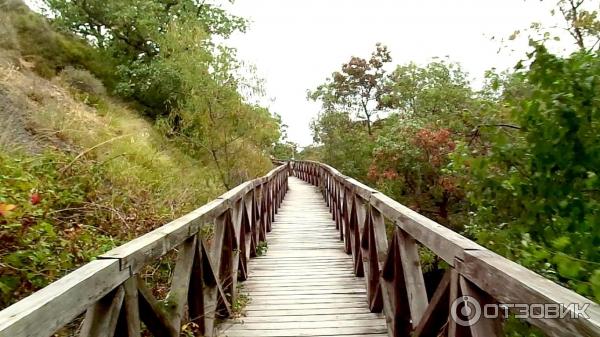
116, 300
394, 279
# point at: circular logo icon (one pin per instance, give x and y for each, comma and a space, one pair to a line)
465, 311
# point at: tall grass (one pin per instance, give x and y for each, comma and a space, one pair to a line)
106, 176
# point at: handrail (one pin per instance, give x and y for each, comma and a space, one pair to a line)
115, 299
393, 275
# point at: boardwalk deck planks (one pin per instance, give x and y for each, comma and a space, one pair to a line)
345, 263
311, 290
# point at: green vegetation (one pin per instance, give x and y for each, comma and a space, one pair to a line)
122, 115
49, 224
513, 165
118, 120
540, 181
241, 301
262, 248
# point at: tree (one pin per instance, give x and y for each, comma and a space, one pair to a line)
284, 148
344, 143
430, 108
583, 25
132, 34
359, 86
440, 90
408, 163
214, 120
581, 22
535, 186
132, 28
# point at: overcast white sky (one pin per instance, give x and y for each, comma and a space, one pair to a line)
296, 45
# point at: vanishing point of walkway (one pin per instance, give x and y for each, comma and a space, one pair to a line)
304, 285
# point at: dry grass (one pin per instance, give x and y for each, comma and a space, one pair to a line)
145, 169
8, 33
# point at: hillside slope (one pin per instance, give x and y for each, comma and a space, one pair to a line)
80, 171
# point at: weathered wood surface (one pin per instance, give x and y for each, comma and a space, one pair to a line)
304, 285
116, 299
395, 281
332, 264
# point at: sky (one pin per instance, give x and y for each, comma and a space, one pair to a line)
296, 45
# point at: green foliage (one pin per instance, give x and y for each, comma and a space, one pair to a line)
359, 87
409, 151
345, 143
137, 37
241, 301
49, 51
283, 148
213, 120
168, 62
583, 23
438, 92
514, 166
133, 28
535, 190
154, 84
409, 163
310, 152
51, 228
262, 248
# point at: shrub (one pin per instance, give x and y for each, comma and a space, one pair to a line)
31, 35
47, 224
83, 81
8, 33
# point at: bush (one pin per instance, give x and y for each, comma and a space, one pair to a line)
48, 225
8, 33
83, 81
31, 35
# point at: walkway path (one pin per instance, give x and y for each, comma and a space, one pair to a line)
304, 285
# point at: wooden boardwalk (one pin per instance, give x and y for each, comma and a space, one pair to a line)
304, 285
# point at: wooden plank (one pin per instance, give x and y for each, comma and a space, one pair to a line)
413, 276
42, 313
310, 318
196, 309
101, 318
508, 282
152, 313
180, 283
444, 242
484, 327
213, 292
341, 323
131, 310
304, 311
436, 314
305, 284
359, 188
137, 253
454, 294
455, 329
360, 331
